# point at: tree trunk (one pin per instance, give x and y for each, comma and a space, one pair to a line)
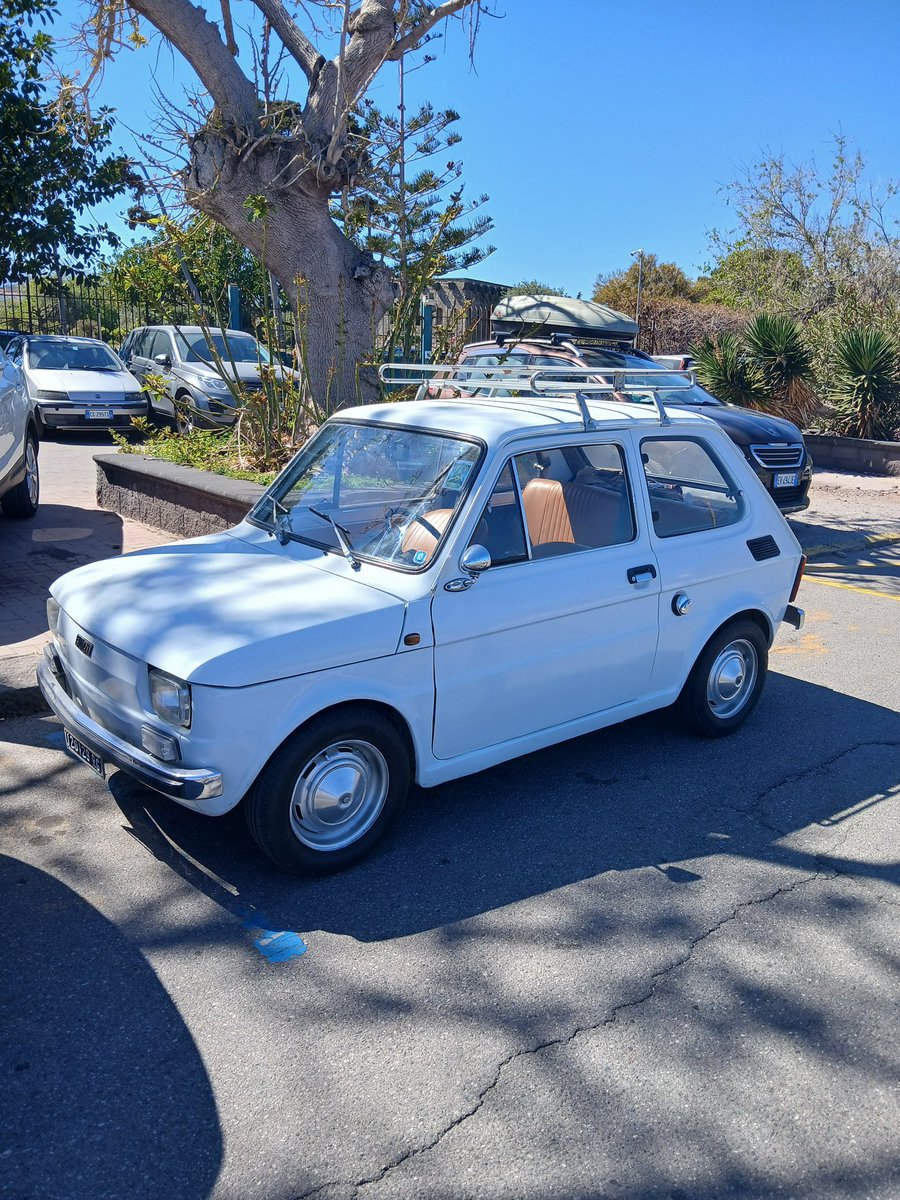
338, 293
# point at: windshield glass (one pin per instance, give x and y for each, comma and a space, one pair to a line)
72, 356
392, 492
240, 348
696, 396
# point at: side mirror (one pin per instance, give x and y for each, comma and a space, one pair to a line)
162, 360
475, 559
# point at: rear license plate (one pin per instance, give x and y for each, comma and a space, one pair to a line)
81, 751
787, 479
98, 414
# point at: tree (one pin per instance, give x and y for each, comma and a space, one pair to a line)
807, 240
400, 212
53, 163
260, 152
534, 287
660, 281
865, 392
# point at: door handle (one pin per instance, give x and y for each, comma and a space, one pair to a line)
642, 574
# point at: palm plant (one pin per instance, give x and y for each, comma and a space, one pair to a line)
866, 391
775, 346
722, 365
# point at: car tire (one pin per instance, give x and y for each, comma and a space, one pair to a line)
22, 500
184, 421
726, 681
330, 793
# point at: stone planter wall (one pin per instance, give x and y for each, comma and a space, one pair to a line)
181, 500
854, 454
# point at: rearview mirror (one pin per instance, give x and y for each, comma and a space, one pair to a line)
475, 559
162, 360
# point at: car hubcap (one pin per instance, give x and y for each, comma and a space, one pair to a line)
732, 678
339, 795
31, 472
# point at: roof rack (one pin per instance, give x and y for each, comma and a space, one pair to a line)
580, 383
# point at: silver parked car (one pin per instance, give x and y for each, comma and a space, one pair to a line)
77, 382
201, 371
19, 478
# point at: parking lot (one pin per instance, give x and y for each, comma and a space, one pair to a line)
637, 965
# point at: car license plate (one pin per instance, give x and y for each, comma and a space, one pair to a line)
787, 479
80, 750
98, 414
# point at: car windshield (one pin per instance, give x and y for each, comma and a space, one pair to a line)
239, 348
695, 396
72, 356
371, 492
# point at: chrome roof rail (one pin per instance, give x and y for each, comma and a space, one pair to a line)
580, 383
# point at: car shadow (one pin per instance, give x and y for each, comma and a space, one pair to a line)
638, 795
105, 1092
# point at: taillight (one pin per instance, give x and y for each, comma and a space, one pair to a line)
796, 588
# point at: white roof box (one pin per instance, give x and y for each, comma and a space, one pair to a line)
541, 316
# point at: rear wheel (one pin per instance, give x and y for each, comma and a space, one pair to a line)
330, 792
22, 500
727, 680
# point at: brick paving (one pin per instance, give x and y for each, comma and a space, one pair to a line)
68, 531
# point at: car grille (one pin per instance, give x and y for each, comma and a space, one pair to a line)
787, 497
778, 457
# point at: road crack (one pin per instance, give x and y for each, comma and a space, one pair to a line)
626, 1007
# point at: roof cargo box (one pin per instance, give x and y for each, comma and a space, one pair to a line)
542, 316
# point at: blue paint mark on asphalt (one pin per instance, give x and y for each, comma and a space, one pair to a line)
275, 945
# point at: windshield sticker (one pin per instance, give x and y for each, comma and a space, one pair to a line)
458, 475
419, 557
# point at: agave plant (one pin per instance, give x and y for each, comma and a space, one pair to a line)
722, 365
776, 348
865, 391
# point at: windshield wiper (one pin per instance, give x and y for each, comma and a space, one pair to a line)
341, 534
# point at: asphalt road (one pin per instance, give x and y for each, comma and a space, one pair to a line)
638, 966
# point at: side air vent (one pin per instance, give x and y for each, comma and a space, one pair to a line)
763, 547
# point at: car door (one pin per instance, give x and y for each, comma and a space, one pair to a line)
12, 418
564, 623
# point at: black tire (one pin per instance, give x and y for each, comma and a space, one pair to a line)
185, 419
22, 500
294, 811
726, 681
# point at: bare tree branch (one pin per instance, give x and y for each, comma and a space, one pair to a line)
437, 14
187, 28
295, 41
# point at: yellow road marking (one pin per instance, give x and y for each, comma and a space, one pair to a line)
851, 587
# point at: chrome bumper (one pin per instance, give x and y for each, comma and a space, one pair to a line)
794, 616
179, 783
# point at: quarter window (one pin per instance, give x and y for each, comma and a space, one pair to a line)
689, 490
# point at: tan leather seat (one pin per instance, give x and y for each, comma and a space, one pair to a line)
572, 513
426, 531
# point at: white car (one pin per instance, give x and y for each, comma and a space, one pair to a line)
19, 435
429, 588
77, 382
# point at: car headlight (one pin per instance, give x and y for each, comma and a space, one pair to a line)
44, 394
133, 396
219, 386
52, 616
170, 697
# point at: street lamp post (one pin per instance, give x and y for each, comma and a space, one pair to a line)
639, 255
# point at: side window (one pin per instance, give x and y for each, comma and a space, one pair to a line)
160, 343
500, 529
688, 489
575, 498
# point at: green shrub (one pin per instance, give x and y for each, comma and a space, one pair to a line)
865, 391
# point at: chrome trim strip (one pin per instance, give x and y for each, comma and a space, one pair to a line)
792, 463
179, 783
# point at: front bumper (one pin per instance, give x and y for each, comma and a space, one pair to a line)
178, 783
73, 417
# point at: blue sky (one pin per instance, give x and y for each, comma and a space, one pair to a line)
598, 128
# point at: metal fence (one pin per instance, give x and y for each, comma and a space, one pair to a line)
89, 309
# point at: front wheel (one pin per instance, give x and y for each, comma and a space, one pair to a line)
726, 681
330, 792
22, 500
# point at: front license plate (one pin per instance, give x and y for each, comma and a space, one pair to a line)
787, 479
98, 414
80, 750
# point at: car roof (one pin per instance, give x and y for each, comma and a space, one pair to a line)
62, 337
194, 329
494, 419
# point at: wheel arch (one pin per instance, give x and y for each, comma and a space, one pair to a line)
384, 710
750, 614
